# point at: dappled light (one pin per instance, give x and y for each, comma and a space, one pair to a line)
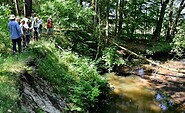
92, 56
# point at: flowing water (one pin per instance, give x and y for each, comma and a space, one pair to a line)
131, 94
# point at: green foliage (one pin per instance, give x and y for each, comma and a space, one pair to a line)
162, 47
10, 67
71, 75
68, 13
178, 42
8, 93
80, 42
111, 58
5, 41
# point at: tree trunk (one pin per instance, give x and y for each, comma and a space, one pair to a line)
120, 23
95, 8
28, 8
116, 21
156, 33
17, 7
150, 61
168, 36
99, 34
181, 7
107, 23
133, 24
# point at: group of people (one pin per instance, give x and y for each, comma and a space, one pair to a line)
22, 30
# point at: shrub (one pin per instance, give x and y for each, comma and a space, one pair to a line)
74, 76
5, 42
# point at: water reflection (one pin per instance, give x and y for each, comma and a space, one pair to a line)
131, 95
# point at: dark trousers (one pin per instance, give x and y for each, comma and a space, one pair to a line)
27, 39
35, 34
18, 42
24, 40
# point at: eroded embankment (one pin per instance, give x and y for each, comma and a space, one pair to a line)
37, 94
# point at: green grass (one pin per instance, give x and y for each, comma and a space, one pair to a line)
9, 94
10, 67
72, 76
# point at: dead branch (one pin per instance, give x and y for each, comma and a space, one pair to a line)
148, 60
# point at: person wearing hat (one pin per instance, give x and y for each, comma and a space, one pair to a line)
15, 34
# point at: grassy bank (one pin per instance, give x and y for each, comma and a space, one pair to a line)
72, 76
10, 67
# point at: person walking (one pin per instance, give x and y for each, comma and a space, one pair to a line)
15, 34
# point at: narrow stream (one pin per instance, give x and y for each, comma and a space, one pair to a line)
136, 94
131, 94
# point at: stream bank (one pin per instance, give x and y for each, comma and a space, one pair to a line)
37, 94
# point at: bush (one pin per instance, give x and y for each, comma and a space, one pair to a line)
178, 43
74, 76
110, 58
5, 42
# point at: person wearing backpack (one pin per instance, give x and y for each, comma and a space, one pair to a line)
15, 34
49, 26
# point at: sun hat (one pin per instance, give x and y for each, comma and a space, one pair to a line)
12, 17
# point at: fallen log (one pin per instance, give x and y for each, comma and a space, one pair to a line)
148, 60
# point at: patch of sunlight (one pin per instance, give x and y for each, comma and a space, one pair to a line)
8, 87
3, 79
118, 91
15, 63
154, 107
